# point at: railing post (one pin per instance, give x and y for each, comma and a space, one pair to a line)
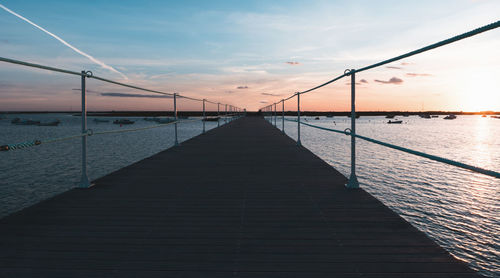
176, 143
275, 115
298, 119
203, 116
218, 117
353, 180
225, 118
283, 115
84, 181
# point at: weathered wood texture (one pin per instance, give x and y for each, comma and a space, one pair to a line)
239, 201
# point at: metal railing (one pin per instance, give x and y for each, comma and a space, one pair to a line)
231, 112
353, 180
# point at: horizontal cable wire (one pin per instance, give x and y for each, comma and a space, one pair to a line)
130, 86
435, 45
12, 61
410, 151
324, 84
17, 62
474, 32
89, 132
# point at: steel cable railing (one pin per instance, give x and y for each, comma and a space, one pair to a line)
410, 151
230, 113
353, 182
90, 132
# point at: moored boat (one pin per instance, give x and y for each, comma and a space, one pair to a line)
211, 119
164, 120
123, 122
53, 123
450, 117
395, 122
18, 121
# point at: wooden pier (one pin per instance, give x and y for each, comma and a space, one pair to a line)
242, 200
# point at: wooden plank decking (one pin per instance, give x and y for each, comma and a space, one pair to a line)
239, 201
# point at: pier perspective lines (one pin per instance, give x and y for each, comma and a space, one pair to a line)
229, 113
271, 110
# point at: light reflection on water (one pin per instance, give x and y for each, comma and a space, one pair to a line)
457, 208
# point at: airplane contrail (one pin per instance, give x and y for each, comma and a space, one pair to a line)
103, 65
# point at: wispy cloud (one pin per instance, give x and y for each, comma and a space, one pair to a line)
293, 63
393, 80
242, 87
270, 94
411, 74
263, 101
363, 81
102, 64
393, 67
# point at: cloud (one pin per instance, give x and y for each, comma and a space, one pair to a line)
242, 87
393, 67
102, 64
411, 74
263, 101
363, 81
357, 83
393, 80
293, 63
406, 63
269, 94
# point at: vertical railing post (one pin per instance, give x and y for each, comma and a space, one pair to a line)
218, 112
84, 181
298, 118
283, 115
176, 143
275, 115
203, 116
353, 180
225, 118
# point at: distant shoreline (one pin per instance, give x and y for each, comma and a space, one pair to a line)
214, 113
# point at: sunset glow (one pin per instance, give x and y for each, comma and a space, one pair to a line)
252, 54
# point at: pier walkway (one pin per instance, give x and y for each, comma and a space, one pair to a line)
242, 200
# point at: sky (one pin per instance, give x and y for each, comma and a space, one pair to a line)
250, 54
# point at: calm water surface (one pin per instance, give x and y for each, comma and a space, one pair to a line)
457, 208
33, 174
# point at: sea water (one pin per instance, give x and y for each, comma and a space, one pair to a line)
457, 208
